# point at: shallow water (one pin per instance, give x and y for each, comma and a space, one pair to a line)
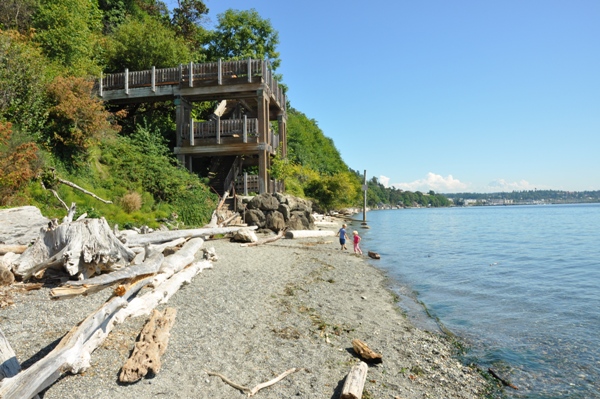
521, 284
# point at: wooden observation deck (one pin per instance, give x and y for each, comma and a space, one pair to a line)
239, 131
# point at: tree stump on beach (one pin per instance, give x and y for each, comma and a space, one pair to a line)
82, 248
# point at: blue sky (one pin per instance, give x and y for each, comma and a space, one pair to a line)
450, 96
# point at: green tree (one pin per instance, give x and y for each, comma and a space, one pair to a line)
68, 31
23, 79
308, 145
141, 44
244, 34
187, 19
17, 14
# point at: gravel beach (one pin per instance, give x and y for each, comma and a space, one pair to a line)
292, 303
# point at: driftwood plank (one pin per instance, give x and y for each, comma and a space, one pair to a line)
150, 346
14, 248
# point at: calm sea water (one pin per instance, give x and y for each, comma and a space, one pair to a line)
521, 284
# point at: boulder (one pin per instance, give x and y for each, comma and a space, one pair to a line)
285, 210
255, 217
275, 221
264, 202
300, 221
245, 235
21, 225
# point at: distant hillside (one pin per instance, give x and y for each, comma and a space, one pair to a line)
526, 197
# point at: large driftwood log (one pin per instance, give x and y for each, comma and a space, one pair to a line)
177, 261
150, 346
365, 353
143, 305
94, 284
309, 233
83, 248
73, 352
63, 358
355, 382
158, 237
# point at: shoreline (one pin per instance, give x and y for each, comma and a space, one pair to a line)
260, 311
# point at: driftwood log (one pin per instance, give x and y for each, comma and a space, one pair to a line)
9, 365
82, 248
150, 346
73, 353
158, 237
265, 241
365, 353
355, 382
309, 233
94, 284
14, 248
374, 255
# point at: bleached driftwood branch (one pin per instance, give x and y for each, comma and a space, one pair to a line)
95, 284
158, 237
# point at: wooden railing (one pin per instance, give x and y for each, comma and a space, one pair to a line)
244, 128
186, 75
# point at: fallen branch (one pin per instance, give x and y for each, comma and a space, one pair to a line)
265, 241
253, 391
502, 380
83, 190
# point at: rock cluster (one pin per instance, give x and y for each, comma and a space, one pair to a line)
276, 212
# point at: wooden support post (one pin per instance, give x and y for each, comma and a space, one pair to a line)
218, 130
246, 183
219, 72
127, 81
245, 134
180, 73
249, 70
100, 85
153, 83
191, 74
191, 130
